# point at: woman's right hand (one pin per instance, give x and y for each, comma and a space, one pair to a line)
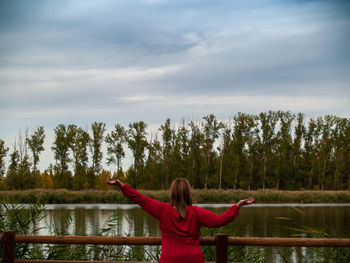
248, 201
115, 182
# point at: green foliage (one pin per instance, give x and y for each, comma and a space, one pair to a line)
115, 141
35, 144
61, 148
211, 131
78, 146
98, 130
166, 154
328, 254
195, 156
271, 150
137, 143
3, 153
18, 174
24, 222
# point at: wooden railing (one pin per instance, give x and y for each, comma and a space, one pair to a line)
220, 241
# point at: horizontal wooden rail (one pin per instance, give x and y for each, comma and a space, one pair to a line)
74, 261
96, 240
221, 241
99, 240
204, 241
289, 242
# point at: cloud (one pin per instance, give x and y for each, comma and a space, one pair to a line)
117, 61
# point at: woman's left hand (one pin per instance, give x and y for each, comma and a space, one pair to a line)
115, 182
248, 201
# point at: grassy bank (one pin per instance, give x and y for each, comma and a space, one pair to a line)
200, 196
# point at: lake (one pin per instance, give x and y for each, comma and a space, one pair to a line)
259, 220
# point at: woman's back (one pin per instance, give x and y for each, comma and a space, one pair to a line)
180, 236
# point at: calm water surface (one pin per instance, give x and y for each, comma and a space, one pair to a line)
254, 221
282, 220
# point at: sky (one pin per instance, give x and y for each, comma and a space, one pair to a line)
115, 61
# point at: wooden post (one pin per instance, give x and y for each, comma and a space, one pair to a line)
8, 247
221, 248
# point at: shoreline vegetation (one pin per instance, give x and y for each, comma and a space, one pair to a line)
63, 196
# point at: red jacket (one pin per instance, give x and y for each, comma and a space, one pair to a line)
180, 237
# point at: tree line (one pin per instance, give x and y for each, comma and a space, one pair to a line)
274, 149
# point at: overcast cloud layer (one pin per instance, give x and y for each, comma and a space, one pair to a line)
124, 61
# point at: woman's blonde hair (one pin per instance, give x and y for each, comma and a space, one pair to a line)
180, 195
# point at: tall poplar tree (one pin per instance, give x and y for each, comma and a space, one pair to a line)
61, 147
297, 149
196, 140
268, 122
325, 145
115, 150
284, 150
137, 143
98, 130
18, 174
167, 136
223, 149
79, 147
12, 179
35, 144
3, 153
211, 130
340, 144
310, 152
252, 140
182, 137
242, 129
154, 164
177, 164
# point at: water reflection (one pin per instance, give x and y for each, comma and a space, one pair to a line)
253, 221
258, 221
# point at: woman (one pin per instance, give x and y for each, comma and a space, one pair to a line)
179, 221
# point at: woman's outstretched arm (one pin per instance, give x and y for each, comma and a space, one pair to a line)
151, 206
210, 219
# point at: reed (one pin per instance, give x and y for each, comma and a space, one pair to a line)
24, 221
63, 196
